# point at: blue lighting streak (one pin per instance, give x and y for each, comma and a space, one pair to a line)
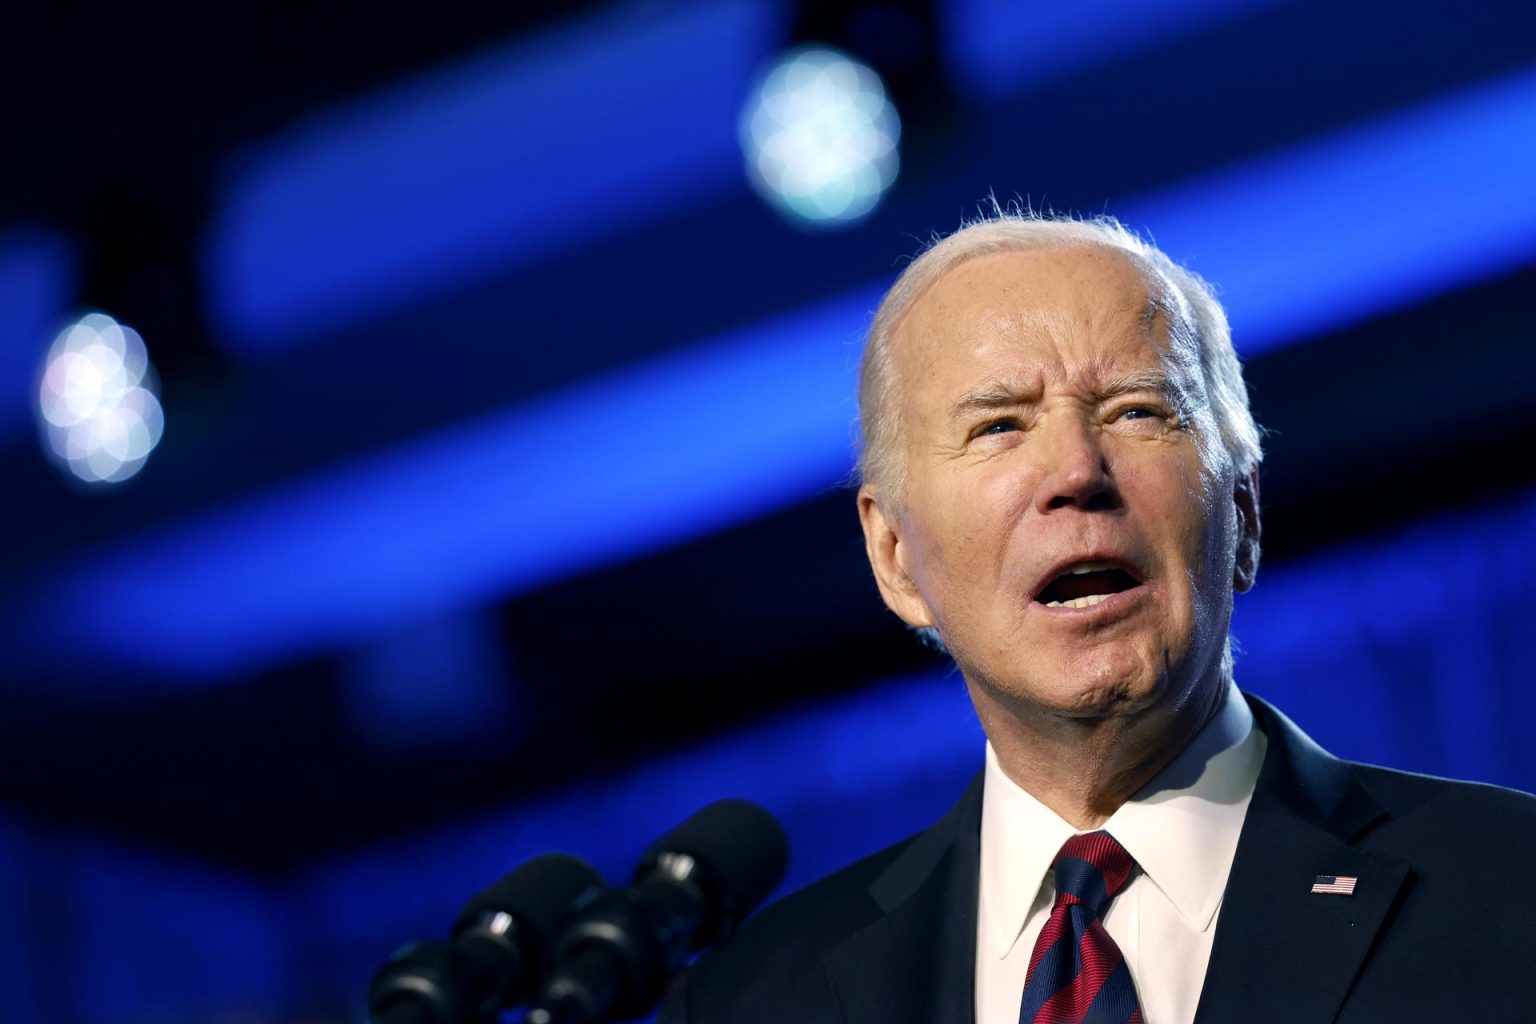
518, 154
1361, 222
36, 287
737, 427
443, 684
607, 470
994, 48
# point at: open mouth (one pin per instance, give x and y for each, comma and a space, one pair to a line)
1085, 584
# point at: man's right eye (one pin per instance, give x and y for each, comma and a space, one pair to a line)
998, 427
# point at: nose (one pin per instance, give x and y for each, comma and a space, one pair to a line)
1075, 468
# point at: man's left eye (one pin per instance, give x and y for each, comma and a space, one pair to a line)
1139, 412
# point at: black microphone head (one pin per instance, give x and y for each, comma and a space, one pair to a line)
499, 951
508, 931
539, 894
734, 851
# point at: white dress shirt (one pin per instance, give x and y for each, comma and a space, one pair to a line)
1182, 830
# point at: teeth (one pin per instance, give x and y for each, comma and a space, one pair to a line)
1082, 567
1078, 602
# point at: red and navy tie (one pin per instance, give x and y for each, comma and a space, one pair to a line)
1076, 972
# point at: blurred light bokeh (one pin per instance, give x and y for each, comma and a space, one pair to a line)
97, 401
820, 137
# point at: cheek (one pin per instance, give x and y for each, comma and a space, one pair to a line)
1179, 511
963, 534
1190, 504
1168, 494
1212, 547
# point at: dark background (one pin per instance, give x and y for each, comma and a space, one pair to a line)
502, 504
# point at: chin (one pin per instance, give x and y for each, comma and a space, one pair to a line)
1116, 686
1076, 694
1101, 700
1115, 699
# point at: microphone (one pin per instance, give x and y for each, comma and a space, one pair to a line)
691, 888
498, 950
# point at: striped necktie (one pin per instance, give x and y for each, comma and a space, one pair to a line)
1076, 972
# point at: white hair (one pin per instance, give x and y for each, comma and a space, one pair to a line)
1196, 311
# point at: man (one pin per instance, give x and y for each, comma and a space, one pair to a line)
1060, 484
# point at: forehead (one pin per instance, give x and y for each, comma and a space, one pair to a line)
1073, 313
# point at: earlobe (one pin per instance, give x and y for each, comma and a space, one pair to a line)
1246, 497
888, 558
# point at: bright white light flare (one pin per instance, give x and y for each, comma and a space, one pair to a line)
97, 400
820, 137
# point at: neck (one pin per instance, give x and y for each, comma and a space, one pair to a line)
1084, 768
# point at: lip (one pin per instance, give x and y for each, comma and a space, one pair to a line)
1113, 606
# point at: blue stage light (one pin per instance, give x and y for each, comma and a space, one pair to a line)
820, 137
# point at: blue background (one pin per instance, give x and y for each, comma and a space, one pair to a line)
503, 507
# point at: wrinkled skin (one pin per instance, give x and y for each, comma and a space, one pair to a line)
1052, 412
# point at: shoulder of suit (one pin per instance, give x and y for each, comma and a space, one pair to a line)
779, 951
1458, 821
1409, 793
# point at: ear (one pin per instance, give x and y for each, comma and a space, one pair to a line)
1245, 495
888, 554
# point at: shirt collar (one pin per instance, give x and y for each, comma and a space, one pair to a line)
1181, 828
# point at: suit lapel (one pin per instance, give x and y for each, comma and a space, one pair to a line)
916, 964
1283, 953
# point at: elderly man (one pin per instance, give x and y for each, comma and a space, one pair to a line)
1060, 485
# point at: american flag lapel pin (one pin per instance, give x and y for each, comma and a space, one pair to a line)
1334, 885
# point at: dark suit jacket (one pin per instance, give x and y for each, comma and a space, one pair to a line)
1441, 927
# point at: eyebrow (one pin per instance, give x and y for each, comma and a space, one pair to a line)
992, 395
997, 395
1150, 379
